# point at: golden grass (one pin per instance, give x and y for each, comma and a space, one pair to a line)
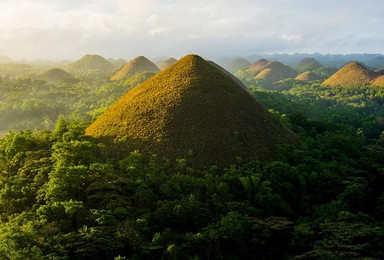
191, 109
307, 76
271, 71
138, 64
352, 74
257, 66
379, 81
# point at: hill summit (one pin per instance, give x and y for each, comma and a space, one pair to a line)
138, 64
191, 110
352, 74
91, 63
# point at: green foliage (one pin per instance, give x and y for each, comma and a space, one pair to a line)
63, 197
31, 103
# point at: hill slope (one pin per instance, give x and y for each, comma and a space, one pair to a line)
352, 74
191, 108
138, 64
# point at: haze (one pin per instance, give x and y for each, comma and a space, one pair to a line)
46, 29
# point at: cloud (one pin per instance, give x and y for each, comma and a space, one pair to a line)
126, 28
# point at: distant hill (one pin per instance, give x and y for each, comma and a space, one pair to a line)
166, 63
138, 64
271, 71
118, 62
5, 59
352, 74
90, 63
14, 70
191, 110
308, 64
379, 81
377, 62
256, 67
307, 76
56, 74
238, 64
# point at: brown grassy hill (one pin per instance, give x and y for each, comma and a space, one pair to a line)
237, 64
138, 64
307, 76
166, 63
352, 74
56, 74
379, 81
279, 67
274, 71
270, 75
308, 64
90, 63
191, 110
257, 66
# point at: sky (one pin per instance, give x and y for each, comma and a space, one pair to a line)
69, 29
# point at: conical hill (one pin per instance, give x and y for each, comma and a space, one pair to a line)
352, 74
166, 63
274, 71
90, 63
379, 81
308, 64
138, 64
238, 64
191, 110
307, 76
257, 66
280, 68
56, 74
